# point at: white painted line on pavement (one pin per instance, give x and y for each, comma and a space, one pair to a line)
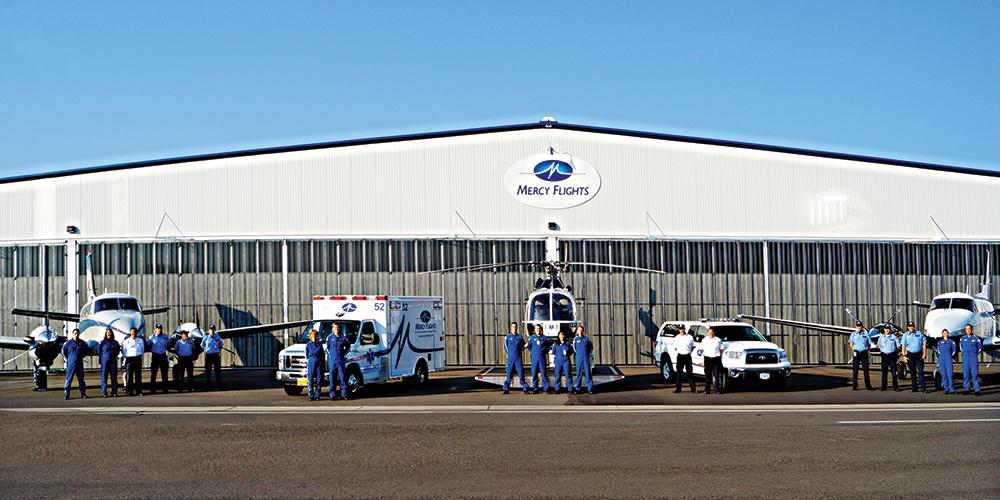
883, 422
485, 409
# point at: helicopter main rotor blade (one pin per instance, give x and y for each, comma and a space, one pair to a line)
615, 266
482, 267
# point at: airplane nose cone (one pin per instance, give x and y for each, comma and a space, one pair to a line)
953, 321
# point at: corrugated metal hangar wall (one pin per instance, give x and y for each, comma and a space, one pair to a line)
238, 283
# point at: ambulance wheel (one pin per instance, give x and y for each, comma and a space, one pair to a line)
419, 377
293, 390
354, 380
666, 368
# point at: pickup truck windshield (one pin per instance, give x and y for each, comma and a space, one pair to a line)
733, 333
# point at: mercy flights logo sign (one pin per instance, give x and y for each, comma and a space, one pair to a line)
552, 181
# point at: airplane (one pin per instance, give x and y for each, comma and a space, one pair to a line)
951, 311
118, 311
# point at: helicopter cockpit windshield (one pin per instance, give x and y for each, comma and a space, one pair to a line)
552, 306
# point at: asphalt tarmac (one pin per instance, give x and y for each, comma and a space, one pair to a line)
456, 438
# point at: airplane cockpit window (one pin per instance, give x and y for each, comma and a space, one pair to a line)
562, 308
105, 305
128, 304
368, 336
941, 304
958, 303
540, 308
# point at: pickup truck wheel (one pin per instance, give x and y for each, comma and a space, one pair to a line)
666, 368
293, 390
354, 380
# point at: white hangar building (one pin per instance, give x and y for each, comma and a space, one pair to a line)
250, 236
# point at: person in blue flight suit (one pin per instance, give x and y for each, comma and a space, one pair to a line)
158, 344
107, 352
315, 357
538, 347
562, 350
513, 345
971, 347
914, 353
74, 351
946, 353
888, 345
583, 348
337, 346
860, 342
185, 354
212, 344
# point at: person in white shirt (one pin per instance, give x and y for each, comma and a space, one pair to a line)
133, 347
712, 347
683, 345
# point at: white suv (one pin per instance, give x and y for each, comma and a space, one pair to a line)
747, 355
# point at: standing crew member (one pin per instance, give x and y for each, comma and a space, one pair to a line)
971, 347
914, 353
683, 345
212, 344
538, 346
946, 352
513, 345
562, 351
107, 353
859, 342
337, 346
74, 351
185, 354
133, 348
712, 347
158, 345
314, 365
583, 349
888, 345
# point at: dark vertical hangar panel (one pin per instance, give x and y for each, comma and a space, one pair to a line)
241, 283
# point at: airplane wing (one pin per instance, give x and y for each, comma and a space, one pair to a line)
155, 310
250, 330
15, 343
52, 315
843, 330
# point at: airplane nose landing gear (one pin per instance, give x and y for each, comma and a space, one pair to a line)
41, 379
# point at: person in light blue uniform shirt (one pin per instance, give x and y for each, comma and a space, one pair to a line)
158, 344
184, 348
946, 353
74, 351
315, 357
337, 346
971, 347
107, 353
914, 353
513, 345
888, 345
538, 346
212, 344
562, 351
583, 349
859, 343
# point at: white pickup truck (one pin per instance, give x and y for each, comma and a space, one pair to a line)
747, 356
391, 338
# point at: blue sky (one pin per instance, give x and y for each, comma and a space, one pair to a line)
95, 83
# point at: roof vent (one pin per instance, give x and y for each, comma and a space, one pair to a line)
548, 121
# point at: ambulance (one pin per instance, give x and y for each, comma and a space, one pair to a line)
391, 338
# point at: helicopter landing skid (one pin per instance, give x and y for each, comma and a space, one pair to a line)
602, 374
